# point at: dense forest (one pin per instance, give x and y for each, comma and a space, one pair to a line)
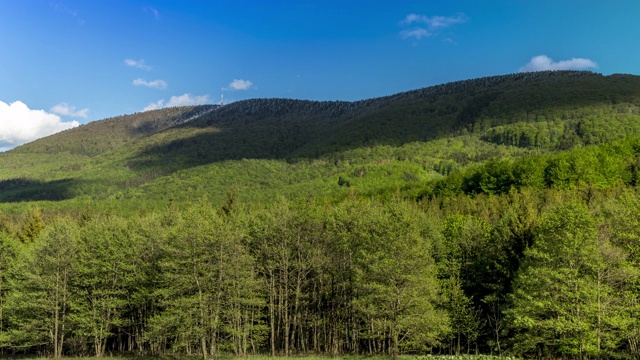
490, 216
535, 273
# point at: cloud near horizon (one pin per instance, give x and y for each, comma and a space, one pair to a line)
182, 100
155, 84
429, 26
19, 124
239, 84
544, 63
65, 109
140, 64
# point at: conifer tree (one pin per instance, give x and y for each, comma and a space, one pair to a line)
32, 226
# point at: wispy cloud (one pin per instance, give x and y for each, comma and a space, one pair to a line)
140, 64
435, 22
155, 13
182, 100
65, 109
239, 84
62, 8
156, 84
543, 62
19, 124
417, 33
424, 26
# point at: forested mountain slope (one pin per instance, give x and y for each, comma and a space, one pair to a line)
496, 215
100, 136
282, 128
266, 147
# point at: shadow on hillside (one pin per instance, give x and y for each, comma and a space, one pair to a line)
288, 129
20, 189
208, 147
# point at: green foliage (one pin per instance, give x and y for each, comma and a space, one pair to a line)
599, 167
31, 227
302, 148
520, 272
396, 278
465, 237
211, 289
105, 279
9, 249
563, 299
39, 305
496, 215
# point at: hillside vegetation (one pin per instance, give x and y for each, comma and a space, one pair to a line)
495, 215
266, 147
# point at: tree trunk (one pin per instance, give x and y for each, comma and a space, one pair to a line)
56, 318
203, 345
394, 344
599, 315
272, 313
286, 311
296, 308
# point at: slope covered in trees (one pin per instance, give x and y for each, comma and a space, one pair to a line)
101, 136
531, 273
305, 148
495, 215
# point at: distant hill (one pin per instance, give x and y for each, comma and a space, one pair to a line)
266, 147
282, 128
100, 136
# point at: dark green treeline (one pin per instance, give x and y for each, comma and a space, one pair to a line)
539, 273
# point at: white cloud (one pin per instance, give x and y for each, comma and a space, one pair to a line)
137, 64
19, 124
239, 84
411, 18
154, 106
435, 22
417, 33
156, 84
543, 62
65, 109
182, 100
188, 100
430, 24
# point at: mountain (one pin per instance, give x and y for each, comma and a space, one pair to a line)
489, 215
265, 148
100, 136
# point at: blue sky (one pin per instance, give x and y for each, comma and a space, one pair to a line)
67, 62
